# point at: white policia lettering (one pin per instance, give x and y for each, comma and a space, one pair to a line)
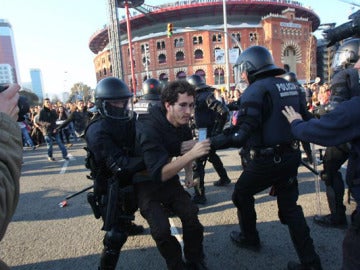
287, 89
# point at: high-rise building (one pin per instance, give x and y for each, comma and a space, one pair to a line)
36, 82
8, 52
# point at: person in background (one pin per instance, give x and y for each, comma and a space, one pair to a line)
47, 122
10, 157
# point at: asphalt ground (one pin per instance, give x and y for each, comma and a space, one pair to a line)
44, 236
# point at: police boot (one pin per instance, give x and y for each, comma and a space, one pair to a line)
298, 266
251, 243
196, 265
222, 182
199, 196
337, 218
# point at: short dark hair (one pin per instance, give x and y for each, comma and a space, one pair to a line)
172, 90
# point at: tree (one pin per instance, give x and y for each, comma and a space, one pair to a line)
80, 91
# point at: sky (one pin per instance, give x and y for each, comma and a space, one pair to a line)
53, 35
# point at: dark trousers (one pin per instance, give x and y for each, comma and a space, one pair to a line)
334, 157
199, 171
155, 200
261, 173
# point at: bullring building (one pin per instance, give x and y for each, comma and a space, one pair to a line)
197, 43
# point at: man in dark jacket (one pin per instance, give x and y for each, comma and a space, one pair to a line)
159, 135
47, 123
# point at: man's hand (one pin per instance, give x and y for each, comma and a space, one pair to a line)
200, 149
187, 145
9, 101
291, 114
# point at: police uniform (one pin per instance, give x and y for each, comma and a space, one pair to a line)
159, 142
212, 115
270, 153
345, 84
110, 139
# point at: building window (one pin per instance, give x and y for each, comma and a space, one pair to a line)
219, 76
162, 58
104, 71
201, 73
181, 75
179, 42
163, 77
199, 54
160, 45
179, 56
252, 37
197, 40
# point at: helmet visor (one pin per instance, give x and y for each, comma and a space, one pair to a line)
118, 108
342, 59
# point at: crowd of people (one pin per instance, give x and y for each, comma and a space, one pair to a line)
136, 151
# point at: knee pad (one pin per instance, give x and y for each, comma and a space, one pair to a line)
114, 240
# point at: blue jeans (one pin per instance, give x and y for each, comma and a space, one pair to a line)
49, 145
27, 137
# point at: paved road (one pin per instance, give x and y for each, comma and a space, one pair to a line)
43, 236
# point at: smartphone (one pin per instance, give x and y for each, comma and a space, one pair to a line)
202, 134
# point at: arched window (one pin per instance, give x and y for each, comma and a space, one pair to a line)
162, 59
104, 71
163, 77
198, 54
181, 75
180, 56
219, 76
201, 73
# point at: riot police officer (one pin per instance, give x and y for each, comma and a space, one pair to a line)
271, 154
151, 91
345, 58
212, 115
110, 141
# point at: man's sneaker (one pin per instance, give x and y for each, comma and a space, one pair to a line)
135, 229
239, 239
66, 158
222, 182
33, 148
199, 199
51, 159
329, 221
298, 266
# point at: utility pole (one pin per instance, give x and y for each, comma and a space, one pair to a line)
227, 70
114, 40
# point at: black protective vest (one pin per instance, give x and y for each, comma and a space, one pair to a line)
204, 116
262, 102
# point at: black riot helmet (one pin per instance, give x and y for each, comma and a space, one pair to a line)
346, 55
257, 62
151, 89
197, 81
290, 77
113, 99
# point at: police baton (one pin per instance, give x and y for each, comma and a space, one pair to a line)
64, 202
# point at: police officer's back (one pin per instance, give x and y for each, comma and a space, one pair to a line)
271, 154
